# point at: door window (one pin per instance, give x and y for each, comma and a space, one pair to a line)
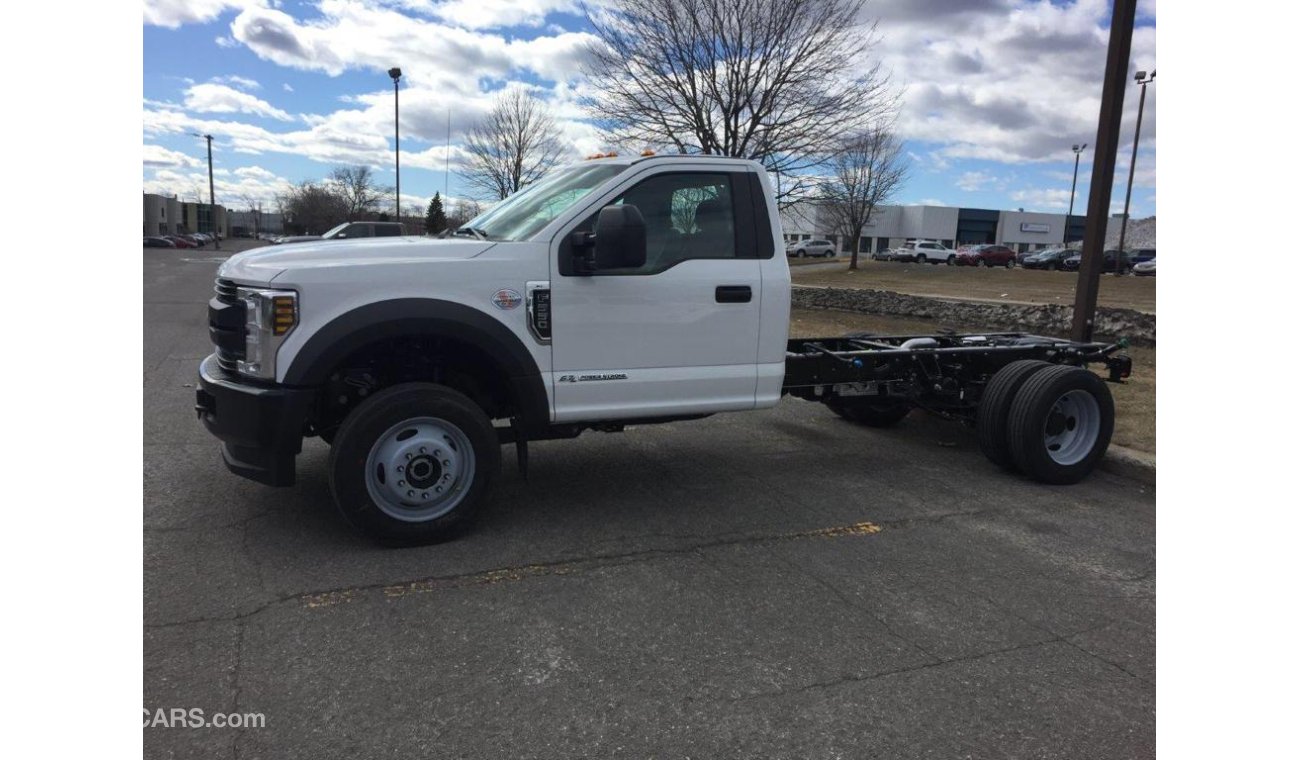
687, 216
358, 231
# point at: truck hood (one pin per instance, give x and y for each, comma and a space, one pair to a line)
262, 265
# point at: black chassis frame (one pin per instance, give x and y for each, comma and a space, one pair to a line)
944, 373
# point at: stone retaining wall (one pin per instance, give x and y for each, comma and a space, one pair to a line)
1047, 319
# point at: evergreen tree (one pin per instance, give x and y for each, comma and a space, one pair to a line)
435, 220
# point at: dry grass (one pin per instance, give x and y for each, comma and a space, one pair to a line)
1135, 400
979, 283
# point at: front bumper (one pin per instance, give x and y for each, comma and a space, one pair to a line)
260, 427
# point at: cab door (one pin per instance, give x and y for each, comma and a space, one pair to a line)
678, 335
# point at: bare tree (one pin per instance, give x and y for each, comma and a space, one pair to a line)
356, 186
460, 212
514, 145
312, 208
779, 81
866, 171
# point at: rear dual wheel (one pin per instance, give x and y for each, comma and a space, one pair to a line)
1051, 422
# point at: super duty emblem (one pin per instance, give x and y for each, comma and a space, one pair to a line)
507, 299
585, 378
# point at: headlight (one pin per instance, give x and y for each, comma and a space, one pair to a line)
270, 315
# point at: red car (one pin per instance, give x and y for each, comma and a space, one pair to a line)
986, 255
180, 242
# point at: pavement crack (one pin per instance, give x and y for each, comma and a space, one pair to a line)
391, 590
851, 679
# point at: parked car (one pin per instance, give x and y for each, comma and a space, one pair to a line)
820, 248
158, 242
925, 252
354, 230
1112, 261
986, 255
1139, 255
181, 241
1145, 268
1050, 259
885, 254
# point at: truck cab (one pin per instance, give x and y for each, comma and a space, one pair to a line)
613, 290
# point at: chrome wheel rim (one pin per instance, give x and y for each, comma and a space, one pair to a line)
1072, 427
420, 469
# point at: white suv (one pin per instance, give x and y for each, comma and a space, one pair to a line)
801, 248
926, 252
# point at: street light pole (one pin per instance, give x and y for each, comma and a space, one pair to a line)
1144, 80
396, 74
1065, 236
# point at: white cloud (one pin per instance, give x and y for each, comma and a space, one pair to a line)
173, 13
218, 98
1041, 199
972, 181
243, 83
358, 35
156, 156
1003, 80
237, 191
287, 87
494, 14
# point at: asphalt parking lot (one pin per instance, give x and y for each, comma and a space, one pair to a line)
772, 584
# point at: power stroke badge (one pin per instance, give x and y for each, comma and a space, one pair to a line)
507, 299
585, 378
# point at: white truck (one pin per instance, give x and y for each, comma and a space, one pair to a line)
615, 291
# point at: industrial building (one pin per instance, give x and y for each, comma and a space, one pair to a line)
892, 226
164, 215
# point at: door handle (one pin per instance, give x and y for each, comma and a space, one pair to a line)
734, 294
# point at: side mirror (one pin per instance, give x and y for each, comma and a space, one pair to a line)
620, 240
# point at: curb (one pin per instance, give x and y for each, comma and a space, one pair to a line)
1130, 463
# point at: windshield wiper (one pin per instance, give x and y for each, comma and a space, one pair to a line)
480, 234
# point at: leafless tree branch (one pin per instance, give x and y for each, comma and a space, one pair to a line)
778, 81
866, 171
514, 145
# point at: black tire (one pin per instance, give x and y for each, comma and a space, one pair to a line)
952, 260
378, 415
920, 258
1051, 267
1010, 263
995, 408
1035, 410
799, 253
870, 412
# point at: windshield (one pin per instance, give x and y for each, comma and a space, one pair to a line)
529, 210
336, 230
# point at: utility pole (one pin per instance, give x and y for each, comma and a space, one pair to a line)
1065, 236
396, 74
212, 196
1142, 79
1103, 167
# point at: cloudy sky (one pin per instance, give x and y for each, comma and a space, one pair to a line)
994, 92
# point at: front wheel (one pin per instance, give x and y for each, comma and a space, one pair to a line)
1010, 263
413, 463
952, 261
920, 258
